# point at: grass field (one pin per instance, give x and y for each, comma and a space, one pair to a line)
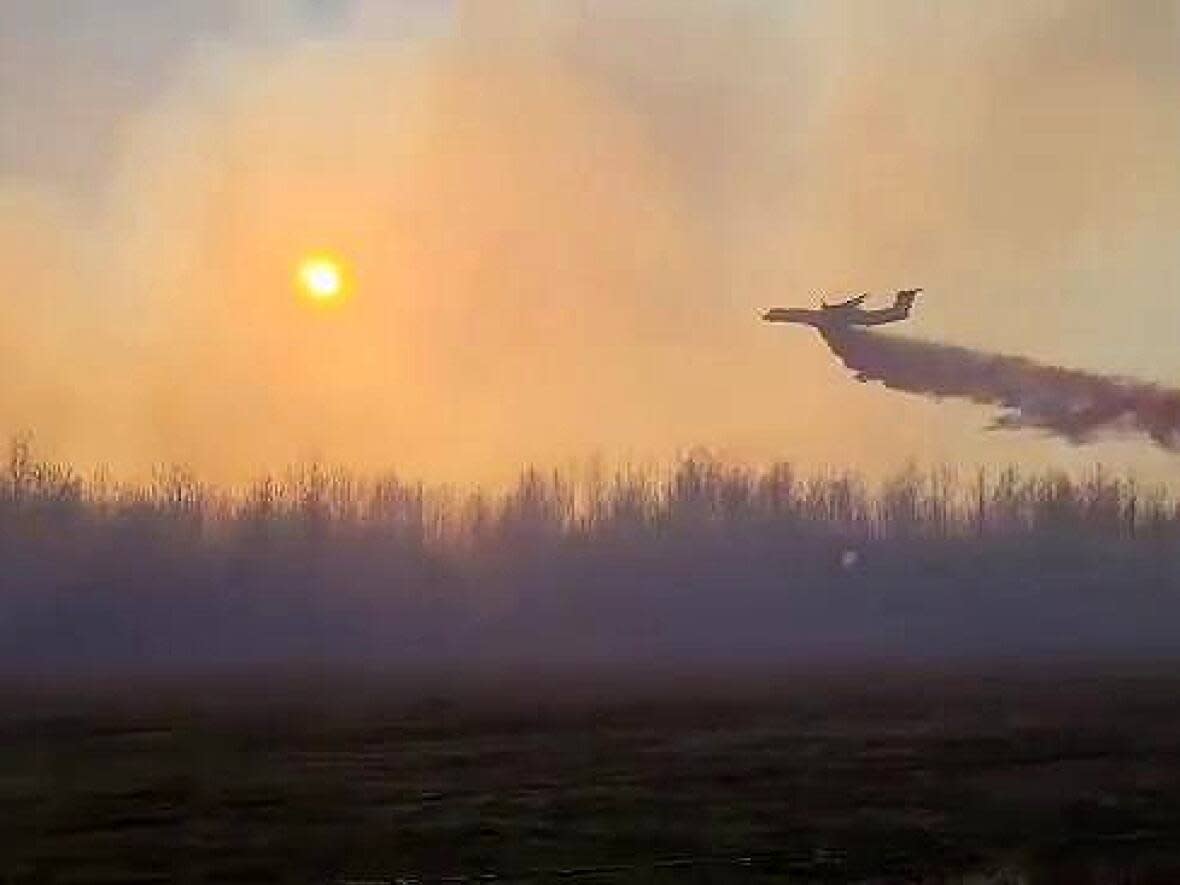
1056, 777
693, 735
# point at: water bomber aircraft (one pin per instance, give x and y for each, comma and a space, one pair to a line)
846, 313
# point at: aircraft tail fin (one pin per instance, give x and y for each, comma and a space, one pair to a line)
906, 297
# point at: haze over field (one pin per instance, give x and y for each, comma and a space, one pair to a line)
557, 221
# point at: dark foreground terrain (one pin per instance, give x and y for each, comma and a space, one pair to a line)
1032, 775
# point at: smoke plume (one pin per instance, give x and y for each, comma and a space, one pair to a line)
1071, 404
558, 219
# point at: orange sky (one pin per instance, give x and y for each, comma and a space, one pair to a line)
559, 220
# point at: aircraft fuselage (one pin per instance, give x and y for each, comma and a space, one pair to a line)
847, 314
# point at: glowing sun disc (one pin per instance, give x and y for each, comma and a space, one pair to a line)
321, 278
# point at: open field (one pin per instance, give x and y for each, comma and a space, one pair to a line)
1046, 777
733, 674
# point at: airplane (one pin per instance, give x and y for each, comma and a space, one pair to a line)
846, 313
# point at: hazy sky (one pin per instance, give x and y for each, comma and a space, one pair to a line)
560, 218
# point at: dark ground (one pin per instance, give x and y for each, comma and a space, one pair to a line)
1030, 774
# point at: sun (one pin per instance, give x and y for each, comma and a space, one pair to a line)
321, 278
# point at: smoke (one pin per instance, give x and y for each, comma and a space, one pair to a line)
560, 219
1073, 405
